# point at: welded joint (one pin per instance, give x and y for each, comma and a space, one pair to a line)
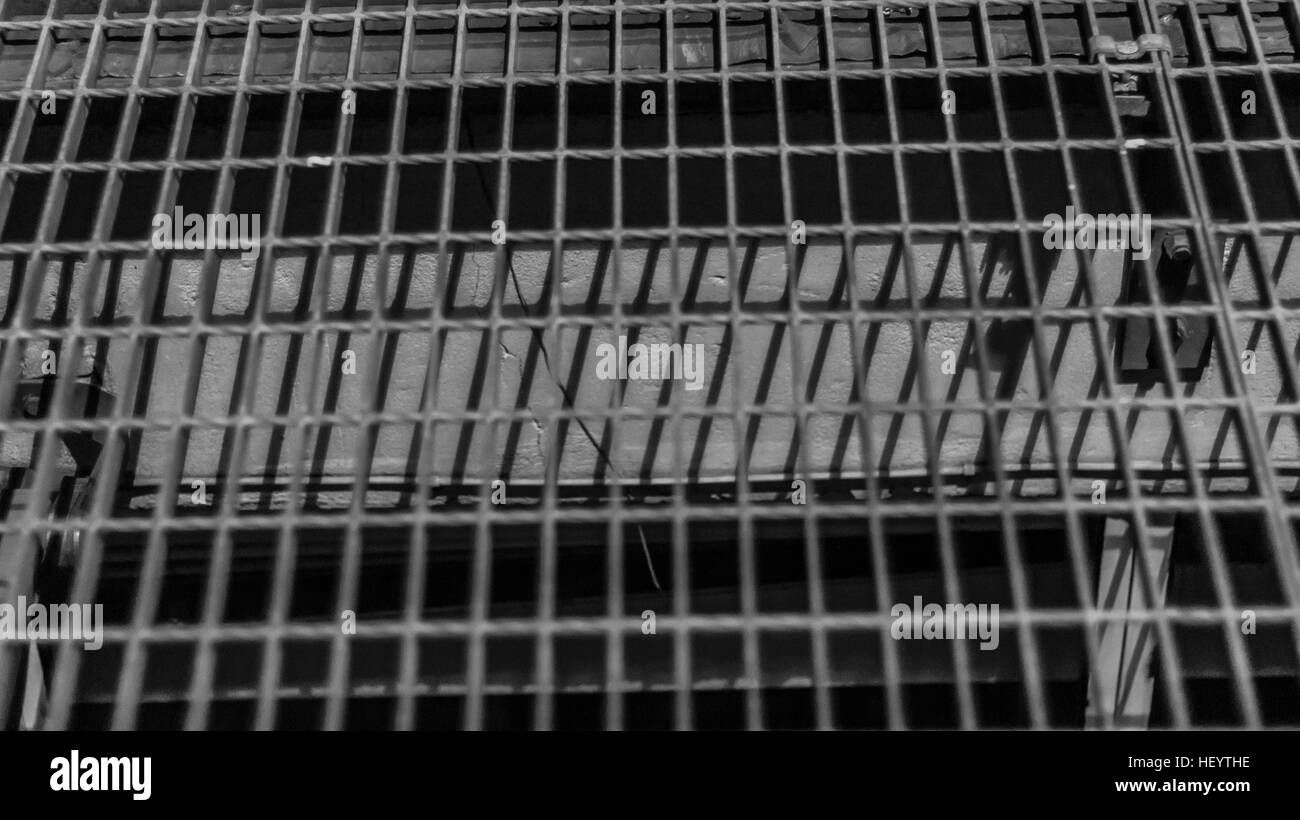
1104, 45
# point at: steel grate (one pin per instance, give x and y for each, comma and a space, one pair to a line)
372, 492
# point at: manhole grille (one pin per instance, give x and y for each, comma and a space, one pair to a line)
828, 198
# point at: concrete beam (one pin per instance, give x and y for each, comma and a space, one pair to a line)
1124, 679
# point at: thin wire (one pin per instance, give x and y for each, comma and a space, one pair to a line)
540, 341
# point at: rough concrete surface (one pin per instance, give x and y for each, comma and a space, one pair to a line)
756, 361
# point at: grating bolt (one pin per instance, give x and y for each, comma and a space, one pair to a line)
1177, 245
1124, 81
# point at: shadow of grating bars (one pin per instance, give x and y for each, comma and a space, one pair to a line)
389, 416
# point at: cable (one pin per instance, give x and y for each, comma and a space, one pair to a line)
546, 358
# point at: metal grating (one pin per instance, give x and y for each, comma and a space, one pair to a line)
372, 492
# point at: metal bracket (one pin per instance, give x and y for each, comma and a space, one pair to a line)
1190, 336
21, 557
1103, 45
88, 400
1129, 99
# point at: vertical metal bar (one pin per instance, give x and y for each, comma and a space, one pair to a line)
547, 576
110, 459
802, 391
286, 552
1281, 534
418, 540
1045, 377
459, 45
615, 672
1028, 648
135, 655
1244, 684
895, 705
367, 430
1170, 667
920, 332
218, 576
19, 551
482, 588
682, 666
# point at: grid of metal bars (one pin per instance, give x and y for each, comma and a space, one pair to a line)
1196, 145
